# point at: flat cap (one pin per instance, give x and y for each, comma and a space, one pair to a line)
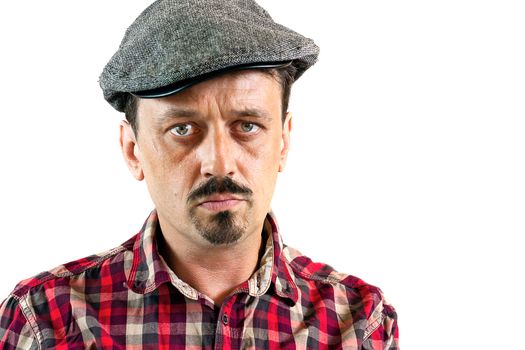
176, 43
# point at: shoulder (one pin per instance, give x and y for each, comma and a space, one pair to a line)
35, 302
303, 267
89, 267
350, 296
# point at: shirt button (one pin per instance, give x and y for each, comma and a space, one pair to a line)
225, 319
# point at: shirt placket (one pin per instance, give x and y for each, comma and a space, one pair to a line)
229, 329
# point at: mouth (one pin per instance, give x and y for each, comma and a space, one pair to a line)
220, 203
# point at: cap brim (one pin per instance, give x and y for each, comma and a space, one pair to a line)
184, 84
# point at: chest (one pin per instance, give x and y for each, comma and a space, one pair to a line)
167, 320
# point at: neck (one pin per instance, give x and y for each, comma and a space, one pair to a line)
214, 271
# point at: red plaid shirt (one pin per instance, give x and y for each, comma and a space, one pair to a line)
128, 298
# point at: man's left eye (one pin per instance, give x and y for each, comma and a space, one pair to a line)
249, 127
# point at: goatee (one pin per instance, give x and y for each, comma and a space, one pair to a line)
225, 227
222, 228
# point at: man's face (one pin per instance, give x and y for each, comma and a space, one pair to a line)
211, 154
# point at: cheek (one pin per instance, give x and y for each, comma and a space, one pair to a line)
169, 173
263, 156
260, 166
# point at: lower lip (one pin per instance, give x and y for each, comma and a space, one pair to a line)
220, 205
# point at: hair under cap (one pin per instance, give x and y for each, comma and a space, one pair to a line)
177, 41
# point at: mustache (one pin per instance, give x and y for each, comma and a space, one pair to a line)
218, 185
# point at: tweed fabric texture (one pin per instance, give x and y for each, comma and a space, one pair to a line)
175, 40
128, 298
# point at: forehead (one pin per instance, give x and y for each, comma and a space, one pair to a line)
242, 89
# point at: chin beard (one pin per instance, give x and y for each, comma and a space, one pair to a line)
221, 229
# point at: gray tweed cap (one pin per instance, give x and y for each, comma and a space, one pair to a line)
176, 43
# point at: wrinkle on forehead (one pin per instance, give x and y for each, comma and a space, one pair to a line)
238, 94
174, 112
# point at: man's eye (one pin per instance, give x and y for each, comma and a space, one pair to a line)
249, 127
182, 130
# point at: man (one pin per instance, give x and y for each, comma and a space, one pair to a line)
204, 85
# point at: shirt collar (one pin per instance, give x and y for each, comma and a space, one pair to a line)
148, 269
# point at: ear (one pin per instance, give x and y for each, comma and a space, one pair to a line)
285, 140
130, 150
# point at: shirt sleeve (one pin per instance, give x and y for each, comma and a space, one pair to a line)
383, 332
15, 331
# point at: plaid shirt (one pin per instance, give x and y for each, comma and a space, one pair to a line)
128, 298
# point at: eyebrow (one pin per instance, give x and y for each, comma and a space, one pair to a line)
177, 112
253, 112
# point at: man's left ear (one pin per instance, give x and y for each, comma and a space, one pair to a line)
285, 140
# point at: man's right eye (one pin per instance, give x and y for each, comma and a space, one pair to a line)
182, 130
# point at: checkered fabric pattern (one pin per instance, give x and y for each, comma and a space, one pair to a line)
128, 298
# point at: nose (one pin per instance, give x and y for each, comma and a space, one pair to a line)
217, 154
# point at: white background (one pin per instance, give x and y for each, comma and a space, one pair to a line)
407, 164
